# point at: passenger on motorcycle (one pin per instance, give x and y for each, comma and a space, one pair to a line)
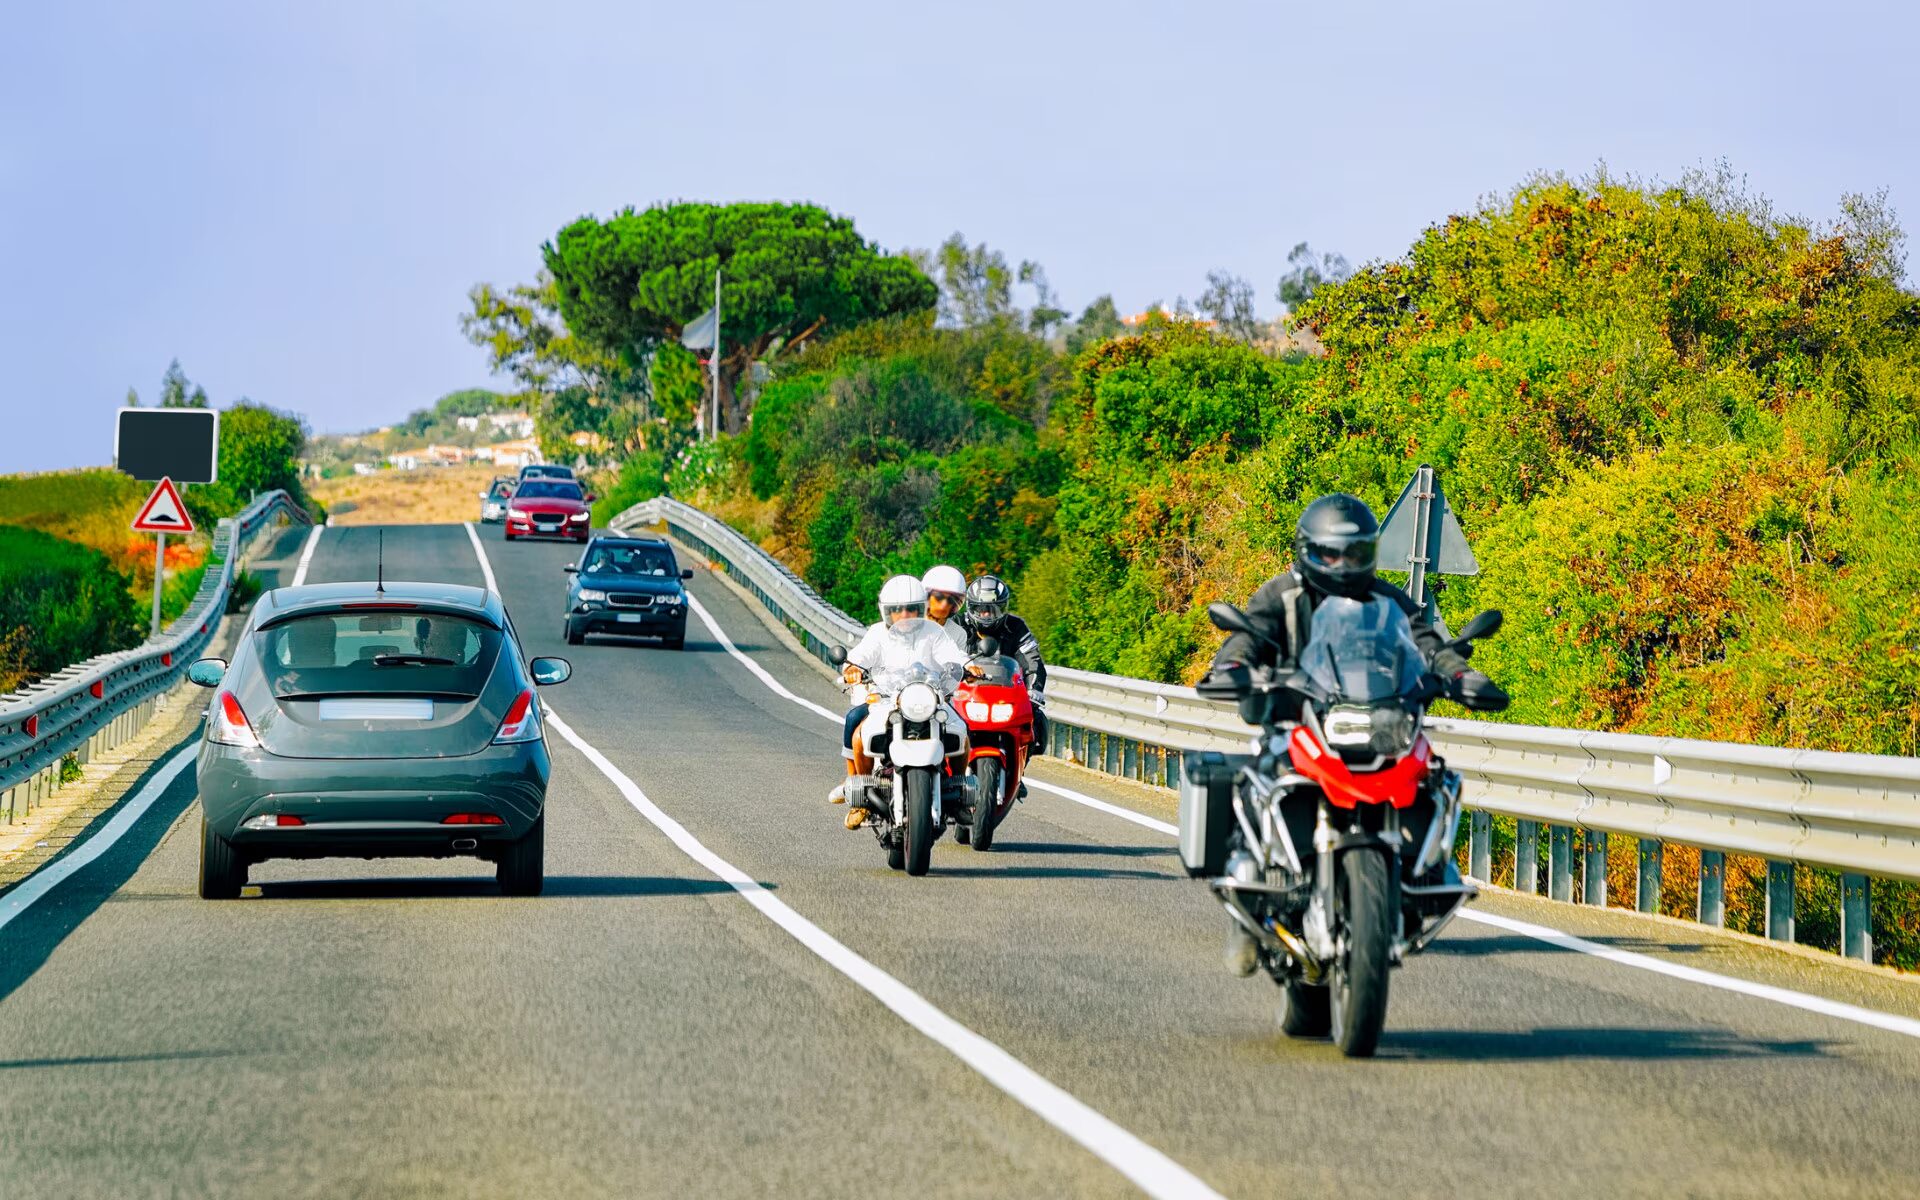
1334, 547
901, 638
946, 588
988, 615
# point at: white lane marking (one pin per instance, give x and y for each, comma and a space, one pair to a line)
1152, 1171
49, 877
306, 556
760, 672
1726, 983
480, 552
1566, 941
1125, 814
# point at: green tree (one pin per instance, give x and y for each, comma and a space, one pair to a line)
790, 271
177, 391
1228, 301
1098, 322
260, 449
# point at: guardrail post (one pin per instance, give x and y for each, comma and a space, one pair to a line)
1652, 860
1480, 846
1526, 857
1856, 917
1595, 875
1130, 759
1779, 901
1560, 862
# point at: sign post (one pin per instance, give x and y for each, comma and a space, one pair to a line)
163, 513
1422, 532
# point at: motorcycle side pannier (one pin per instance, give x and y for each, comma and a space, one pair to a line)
1206, 809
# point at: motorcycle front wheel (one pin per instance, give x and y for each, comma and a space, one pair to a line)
920, 829
986, 798
1359, 987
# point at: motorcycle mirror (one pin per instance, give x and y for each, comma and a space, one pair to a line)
1226, 616
1485, 625
989, 647
837, 655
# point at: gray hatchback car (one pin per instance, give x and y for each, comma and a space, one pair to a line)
372, 722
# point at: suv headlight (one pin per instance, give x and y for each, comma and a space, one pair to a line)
591, 594
917, 702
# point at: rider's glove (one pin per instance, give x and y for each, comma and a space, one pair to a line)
1449, 664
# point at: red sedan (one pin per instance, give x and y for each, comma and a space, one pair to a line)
548, 508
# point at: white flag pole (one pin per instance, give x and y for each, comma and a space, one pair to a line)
716, 352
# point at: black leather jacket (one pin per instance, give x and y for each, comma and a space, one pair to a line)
1017, 642
1283, 610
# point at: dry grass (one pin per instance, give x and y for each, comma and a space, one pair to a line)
428, 496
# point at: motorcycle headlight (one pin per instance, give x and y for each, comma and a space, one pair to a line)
917, 702
592, 594
1349, 727
1386, 730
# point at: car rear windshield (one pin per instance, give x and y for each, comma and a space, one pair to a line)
641, 561
548, 489
378, 653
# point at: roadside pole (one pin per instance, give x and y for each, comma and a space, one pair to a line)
715, 357
159, 574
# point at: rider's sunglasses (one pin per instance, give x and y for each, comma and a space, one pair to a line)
1354, 555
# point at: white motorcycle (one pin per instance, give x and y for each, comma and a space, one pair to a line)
918, 744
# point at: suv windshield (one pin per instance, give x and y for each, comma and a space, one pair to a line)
548, 489
652, 561
377, 653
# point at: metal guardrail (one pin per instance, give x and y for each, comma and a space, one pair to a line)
91, 705
1858, 814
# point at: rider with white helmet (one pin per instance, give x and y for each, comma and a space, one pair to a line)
901, 638
946, 591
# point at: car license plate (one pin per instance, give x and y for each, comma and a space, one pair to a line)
408, 709
632, 618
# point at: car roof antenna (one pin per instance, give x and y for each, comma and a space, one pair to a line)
380, 565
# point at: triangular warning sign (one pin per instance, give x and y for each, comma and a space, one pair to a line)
163, 512
1421, 529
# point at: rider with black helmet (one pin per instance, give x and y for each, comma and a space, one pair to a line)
989, 614
1334, 547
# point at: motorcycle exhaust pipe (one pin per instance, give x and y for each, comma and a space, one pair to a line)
1275, 936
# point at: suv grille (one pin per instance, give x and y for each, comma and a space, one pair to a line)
630, 599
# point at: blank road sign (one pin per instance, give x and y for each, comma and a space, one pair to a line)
180, 444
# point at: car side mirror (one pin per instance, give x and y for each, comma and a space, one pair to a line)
837, 655
549, 671
484, 495
686, 572
571, 568
208, 672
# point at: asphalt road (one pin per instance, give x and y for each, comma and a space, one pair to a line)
353, 1028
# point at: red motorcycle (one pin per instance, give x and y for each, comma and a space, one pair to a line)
994, 703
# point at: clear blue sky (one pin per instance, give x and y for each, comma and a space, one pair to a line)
294, 199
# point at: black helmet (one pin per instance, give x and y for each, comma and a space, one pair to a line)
988, 599
1335, 545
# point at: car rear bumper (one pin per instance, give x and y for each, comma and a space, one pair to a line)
372, 807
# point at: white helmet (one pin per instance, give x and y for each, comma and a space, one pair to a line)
944, 578
902, 593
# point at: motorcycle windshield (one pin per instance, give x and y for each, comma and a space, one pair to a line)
893, 682
1362, 651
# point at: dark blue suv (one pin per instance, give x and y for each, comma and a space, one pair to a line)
629, 586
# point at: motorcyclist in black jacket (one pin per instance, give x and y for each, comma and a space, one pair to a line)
988, 614
1334, 547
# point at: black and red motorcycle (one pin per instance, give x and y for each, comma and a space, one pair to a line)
1331, 843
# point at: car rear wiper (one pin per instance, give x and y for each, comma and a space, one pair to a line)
424, 660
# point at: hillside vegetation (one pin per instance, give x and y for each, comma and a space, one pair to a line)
1678, 429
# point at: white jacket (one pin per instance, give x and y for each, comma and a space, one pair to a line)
889, 649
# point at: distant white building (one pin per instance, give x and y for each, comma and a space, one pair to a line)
483, 454
444, 456
514, 455
364, 468
467, 423
406, 460
517, 424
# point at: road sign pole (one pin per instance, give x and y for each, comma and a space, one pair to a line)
715, 431
159, 572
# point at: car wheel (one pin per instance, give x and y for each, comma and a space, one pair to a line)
573, 634
223, 872
522, 868
679, 643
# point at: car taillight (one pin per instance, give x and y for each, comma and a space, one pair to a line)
473, 819
523, 721
274, 821
228, 724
